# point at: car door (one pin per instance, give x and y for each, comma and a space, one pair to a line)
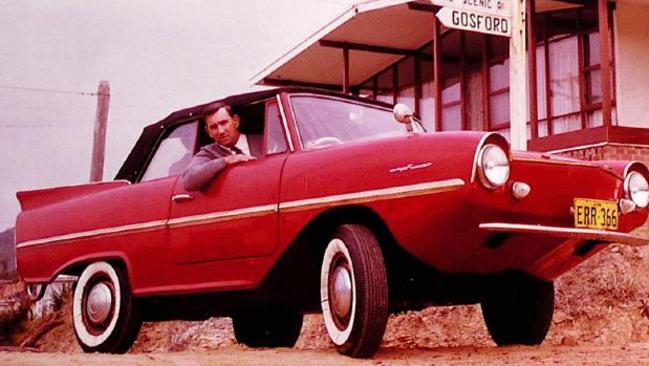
150, 198
236, 217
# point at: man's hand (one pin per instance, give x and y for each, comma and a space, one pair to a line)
238, 158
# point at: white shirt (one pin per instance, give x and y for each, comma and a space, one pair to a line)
242, 144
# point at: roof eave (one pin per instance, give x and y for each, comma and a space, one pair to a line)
345, 16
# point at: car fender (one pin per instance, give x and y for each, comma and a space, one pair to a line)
76, 265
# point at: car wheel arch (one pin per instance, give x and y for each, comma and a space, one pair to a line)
328, 221
304, 253
76, 266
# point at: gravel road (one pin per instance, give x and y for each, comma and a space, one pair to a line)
630, 354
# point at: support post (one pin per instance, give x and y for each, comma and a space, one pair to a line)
437, 61
417, 85
531, 49
486, 109
605, 60
99, 134
548, 75
346, 70
581, 57
375, 87
463, 85
518, 103
395, 83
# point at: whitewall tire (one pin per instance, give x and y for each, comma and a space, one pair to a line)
338, 315
354, 291
104, 315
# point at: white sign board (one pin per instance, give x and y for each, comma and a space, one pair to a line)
474, 21
500, 8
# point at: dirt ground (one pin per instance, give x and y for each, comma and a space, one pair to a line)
601, 318
630, 354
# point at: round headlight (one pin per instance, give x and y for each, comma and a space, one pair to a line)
493, 166
637, 189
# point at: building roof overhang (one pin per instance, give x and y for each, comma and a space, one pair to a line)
377, 33
381, 23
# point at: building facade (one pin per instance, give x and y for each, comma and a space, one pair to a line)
587, 78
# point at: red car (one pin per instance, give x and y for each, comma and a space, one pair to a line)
345, 211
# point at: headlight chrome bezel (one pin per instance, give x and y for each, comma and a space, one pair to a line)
492, 157
636, 188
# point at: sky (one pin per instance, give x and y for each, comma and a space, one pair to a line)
157, 55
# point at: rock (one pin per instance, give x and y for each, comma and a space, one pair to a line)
569, 341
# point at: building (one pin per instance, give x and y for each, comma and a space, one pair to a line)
587, 79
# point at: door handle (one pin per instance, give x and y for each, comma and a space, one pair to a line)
182, 197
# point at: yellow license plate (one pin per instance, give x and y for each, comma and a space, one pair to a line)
596, 214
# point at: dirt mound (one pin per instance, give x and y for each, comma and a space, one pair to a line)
605, 301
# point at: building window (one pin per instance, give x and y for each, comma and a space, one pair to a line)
564, 83
452, 107
385, 91
499, 95
427, 101
569, 71
593, 80
406, 82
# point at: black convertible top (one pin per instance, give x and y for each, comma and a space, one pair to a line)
152, 134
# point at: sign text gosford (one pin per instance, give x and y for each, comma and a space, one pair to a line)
475, 21
500, 8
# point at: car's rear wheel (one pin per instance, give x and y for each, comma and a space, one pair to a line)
519, 310
354, 291
269, 328
104, 315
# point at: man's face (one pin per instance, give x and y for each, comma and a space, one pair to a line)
222, 128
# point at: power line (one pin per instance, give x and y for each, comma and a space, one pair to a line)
46, 125
58, 91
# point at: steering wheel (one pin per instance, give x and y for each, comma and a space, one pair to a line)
323, 141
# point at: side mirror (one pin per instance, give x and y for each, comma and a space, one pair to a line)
403, 114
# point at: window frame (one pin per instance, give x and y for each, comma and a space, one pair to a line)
282, 125
327, 97
169, 130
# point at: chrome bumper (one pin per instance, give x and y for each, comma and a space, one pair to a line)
569, 233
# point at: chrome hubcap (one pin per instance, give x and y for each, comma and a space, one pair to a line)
100, 301
341, 292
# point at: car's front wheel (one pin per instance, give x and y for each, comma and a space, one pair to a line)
268, 328
354, 291
104, 314
519, 310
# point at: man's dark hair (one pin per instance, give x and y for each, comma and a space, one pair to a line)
212, 108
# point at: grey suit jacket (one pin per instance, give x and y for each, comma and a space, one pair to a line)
204, 167
208, 163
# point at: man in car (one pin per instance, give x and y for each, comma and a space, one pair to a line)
230, 147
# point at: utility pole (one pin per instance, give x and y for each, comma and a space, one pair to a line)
99, 134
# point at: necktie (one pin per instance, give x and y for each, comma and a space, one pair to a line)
236, 150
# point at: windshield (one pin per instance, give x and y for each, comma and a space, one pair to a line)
325, 121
